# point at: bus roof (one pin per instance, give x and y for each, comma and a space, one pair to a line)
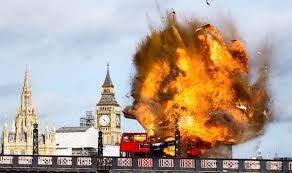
134, 133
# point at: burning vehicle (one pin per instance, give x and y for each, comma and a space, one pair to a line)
191, 75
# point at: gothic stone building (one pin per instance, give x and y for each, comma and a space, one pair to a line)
108, 113
20, 141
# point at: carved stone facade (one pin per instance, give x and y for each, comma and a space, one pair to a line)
20, 140
108, 113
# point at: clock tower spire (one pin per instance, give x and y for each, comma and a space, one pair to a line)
108, 112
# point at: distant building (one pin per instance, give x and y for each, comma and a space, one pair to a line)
20, 140
108, 113
88, 120
258, 154
81, 141
76, 141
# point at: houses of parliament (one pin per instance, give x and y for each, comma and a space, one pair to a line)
19, 140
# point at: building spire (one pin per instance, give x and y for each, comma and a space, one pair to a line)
107, 82
5, 127
26, 85
107, 94
26, 97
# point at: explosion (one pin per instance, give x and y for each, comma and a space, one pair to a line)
188, 74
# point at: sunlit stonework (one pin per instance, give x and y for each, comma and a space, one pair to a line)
20, 140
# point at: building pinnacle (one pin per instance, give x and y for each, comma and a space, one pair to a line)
107, 82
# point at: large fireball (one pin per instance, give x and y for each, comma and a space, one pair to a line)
188, 74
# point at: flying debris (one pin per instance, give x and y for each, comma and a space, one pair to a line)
202, 27
208, 2
173, 12
197, 30
265, 114
128, 95
242, 107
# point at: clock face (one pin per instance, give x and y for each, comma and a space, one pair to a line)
104, 120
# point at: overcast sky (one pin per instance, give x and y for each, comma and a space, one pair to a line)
67, 43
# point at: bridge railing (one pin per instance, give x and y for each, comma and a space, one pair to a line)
94, 163
201, 164
56, 162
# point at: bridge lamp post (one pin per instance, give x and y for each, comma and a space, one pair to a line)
35, 150
100, 144
177, 141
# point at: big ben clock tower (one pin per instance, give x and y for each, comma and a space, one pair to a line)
108, 113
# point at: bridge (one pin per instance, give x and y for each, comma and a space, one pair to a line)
38, 163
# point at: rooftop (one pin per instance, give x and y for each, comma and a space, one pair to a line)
72, 129
108, 82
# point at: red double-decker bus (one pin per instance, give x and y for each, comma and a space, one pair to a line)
134, 144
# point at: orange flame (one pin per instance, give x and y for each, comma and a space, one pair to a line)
196, 80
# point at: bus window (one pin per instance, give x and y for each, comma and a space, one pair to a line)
135, 138
128, 138
140, 138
